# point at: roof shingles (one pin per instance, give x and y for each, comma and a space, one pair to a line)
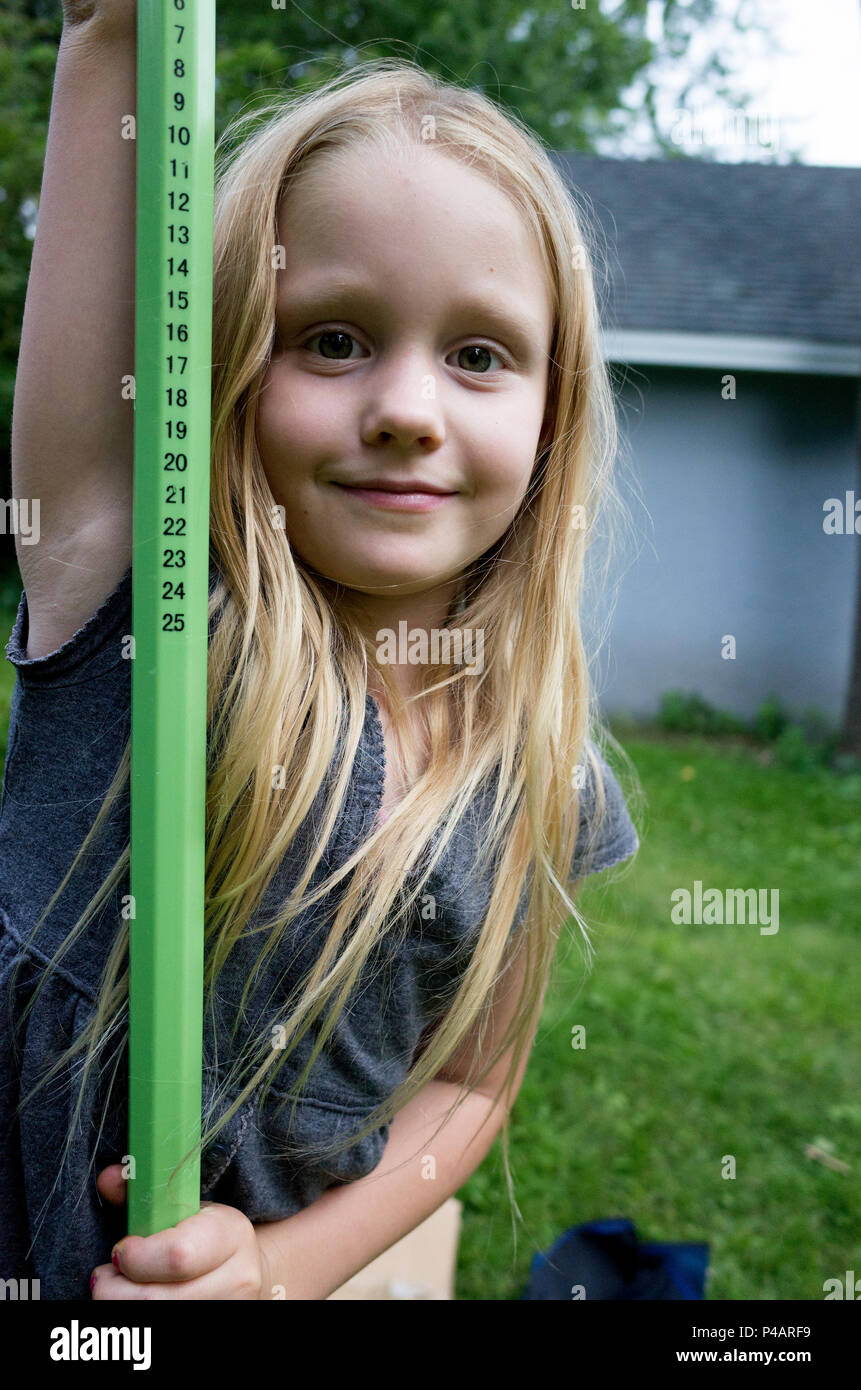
694, 246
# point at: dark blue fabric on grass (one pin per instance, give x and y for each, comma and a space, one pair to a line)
70, 719
606, 1260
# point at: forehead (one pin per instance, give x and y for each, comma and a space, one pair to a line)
412, 218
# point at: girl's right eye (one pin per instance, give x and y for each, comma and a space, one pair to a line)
338, 338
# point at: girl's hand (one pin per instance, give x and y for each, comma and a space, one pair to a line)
214, 1254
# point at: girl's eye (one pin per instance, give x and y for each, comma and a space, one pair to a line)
335, 346
338, 340
483, 352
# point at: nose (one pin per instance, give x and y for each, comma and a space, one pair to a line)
402, 402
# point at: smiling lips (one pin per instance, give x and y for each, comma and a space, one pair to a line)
413, 495
420, 496
397, 485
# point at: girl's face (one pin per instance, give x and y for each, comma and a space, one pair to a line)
414, 325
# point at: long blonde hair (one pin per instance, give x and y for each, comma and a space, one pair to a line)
288, 666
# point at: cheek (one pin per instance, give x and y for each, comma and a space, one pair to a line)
290, 426
508, 459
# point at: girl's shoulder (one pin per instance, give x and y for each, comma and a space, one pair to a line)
456, 896
604, 838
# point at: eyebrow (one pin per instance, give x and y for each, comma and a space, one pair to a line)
513, 323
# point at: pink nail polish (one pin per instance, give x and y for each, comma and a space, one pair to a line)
92, 1280
115, 1259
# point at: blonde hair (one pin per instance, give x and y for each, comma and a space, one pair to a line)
288, 666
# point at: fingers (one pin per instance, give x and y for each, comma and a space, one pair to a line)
194, 1247
231, 1281
111, 1184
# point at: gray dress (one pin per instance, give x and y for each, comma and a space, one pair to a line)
69, 723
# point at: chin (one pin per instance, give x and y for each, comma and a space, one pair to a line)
377, 577
387, 585
370, 574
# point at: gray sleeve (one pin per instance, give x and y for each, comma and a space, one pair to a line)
601, 843
609, 840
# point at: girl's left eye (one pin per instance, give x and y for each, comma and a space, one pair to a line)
483, 350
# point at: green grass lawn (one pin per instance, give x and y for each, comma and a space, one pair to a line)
701, 1041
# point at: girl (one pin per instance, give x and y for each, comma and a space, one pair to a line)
411, 432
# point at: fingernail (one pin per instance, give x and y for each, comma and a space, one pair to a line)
115, 1259
92, 1280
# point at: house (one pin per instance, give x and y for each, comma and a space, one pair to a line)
732, 318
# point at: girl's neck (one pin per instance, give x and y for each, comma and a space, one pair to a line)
381, 620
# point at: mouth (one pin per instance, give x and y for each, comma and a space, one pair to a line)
412, 497
398, 485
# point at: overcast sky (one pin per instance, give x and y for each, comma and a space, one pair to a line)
804, 77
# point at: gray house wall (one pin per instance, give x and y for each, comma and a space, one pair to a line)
728, 530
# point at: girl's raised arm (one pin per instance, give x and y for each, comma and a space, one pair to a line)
72, 421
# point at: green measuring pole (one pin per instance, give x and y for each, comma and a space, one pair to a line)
170, 589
